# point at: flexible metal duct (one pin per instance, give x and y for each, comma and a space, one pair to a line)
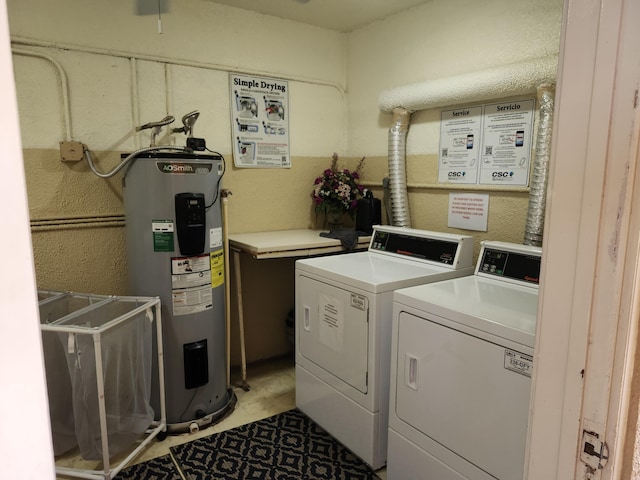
534, 226
397, 168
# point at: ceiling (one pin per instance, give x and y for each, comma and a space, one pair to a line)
339, 15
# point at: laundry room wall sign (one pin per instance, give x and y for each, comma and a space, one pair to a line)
259, 121
487, 144
468, 211
460, 132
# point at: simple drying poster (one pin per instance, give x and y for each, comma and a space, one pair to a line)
259, 121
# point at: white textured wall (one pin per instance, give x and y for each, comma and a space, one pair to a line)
217, 39
439, 39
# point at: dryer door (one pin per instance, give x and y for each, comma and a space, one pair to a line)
332, 328
464, 392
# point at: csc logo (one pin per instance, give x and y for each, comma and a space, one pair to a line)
502, 174
456, 174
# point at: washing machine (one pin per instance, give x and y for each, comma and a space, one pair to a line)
461, 364
343, 328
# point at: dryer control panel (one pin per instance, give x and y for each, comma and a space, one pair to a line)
521, 264
414, 246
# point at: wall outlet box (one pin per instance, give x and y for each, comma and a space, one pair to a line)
71, 151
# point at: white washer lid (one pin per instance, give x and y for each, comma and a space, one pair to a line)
376, 273
499, 308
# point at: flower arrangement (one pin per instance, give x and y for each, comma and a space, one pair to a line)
336, 191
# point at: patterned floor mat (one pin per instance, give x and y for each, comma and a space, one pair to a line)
288, 446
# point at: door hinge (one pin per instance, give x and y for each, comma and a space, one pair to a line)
594, 452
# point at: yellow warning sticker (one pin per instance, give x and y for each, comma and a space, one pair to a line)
217, 268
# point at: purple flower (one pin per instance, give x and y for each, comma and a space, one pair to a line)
337, 189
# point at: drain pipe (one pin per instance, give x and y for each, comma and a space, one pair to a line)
397, 168
534, 226
224, 194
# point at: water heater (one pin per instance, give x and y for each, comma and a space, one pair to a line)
175, 251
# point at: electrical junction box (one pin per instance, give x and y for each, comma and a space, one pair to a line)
71, 151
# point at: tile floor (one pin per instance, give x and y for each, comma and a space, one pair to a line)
272, 391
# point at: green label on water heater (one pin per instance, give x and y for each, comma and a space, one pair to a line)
162, 235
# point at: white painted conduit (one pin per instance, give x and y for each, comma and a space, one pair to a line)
64, 86
517, 79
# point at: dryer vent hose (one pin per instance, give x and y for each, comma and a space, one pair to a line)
397, 168
534, 226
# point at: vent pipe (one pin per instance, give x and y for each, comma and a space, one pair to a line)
534, 226
521, 78
397, 168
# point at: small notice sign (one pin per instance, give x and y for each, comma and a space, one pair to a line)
331, 329
460, 131
518, 362
217, 268
468, 211
506, 145
162, 235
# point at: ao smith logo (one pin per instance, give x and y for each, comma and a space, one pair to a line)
454, 175
502, 174
182, 167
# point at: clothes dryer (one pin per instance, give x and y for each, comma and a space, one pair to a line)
343, 328
461, 363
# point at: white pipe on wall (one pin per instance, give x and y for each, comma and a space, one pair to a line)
64, 86
16, 40
506, 81
135, 99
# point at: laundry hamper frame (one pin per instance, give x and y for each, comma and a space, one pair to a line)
157, 428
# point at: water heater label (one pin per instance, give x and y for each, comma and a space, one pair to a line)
217, 268
191, 300
162, 235
191, 284
215, 237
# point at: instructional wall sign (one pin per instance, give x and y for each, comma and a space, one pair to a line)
460, 131
259, 122
506, 145
487, 144
468, 211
